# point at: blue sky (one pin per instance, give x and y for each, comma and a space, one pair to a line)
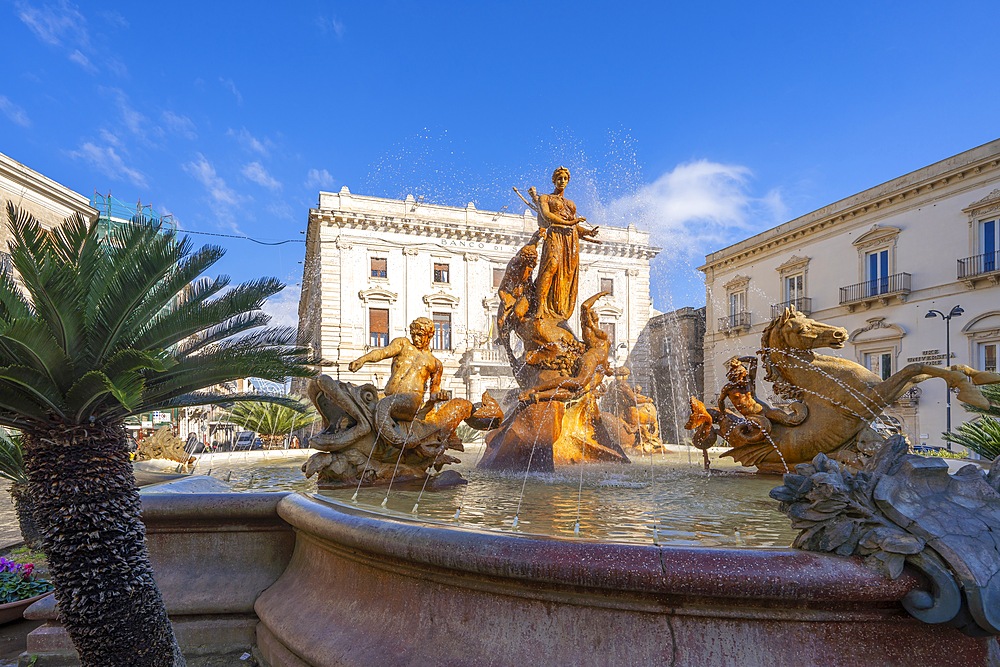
704, 124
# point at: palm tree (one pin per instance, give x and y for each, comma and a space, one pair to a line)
12, 469
96, 330
272, 420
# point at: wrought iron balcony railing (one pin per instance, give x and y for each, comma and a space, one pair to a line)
877, 288
978, 265
734, 322
803, 304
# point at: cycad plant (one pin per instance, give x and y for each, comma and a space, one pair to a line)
93, 331
272, 421
981, 436
12, 469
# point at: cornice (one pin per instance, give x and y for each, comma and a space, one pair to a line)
899, 192
440, 231
34, 183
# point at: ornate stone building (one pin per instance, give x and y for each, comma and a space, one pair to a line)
373, 265
877, 263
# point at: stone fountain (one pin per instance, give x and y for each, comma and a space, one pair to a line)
345, 584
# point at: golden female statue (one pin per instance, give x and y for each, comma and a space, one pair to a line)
559, 270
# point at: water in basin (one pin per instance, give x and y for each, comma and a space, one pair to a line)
620, 503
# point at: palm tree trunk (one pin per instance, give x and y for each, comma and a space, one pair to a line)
24, 507
88, 510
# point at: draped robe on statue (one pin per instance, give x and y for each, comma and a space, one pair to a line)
559, 269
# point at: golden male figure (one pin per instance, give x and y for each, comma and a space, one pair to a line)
413, 367
592, 368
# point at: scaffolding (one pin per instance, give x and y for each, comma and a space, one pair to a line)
113, 213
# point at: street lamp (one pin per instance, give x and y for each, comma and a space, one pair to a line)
955, 312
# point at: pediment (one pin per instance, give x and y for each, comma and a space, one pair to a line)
794, 264
986, 325
990, 202
736, 284
609, 309
877, 234
877, 329
377, 294
441, 299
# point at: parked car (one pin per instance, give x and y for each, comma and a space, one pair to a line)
246, 440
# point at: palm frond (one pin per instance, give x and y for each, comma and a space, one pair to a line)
172, 326
12, 458
981, 436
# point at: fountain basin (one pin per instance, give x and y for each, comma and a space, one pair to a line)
364, 589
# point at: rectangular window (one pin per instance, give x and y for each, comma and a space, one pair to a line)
794, 289
877, 270
879, 363
379, 266
988, 356
442, 331
989, 230
441, 273
737, 304
498, 277
378, 327
609, 328
608, 285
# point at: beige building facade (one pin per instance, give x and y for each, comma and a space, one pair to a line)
877, 263
373, 265
45, 199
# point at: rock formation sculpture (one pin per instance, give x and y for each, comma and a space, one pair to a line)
370, 438
906, 509
832, 400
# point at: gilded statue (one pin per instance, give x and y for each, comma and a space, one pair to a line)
635, 412
559, 270
832, 400
372, 437
557, 417
591, 368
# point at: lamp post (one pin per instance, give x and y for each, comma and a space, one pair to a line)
954, 312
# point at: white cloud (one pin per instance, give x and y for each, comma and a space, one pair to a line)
83, 61
331, 26
107, 161
16, 114
230, 85
694, 208
180, 125
62, 25
250, 142
204, 173
319, 179
255, 172
55, 23
283, 307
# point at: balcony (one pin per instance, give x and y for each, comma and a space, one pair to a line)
980, 267
803, 304
880, 290
735, 323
